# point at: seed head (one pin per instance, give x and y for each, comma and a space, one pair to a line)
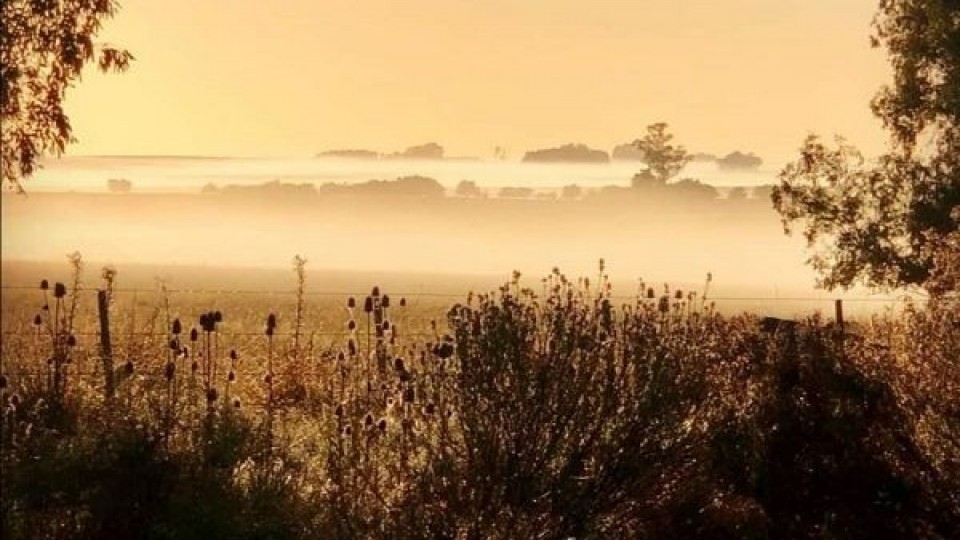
268, 378
375, 292
236, 403
650, 293
37, 321
231, 376
385, 301
3, 382
368, 305
408, 395
368, 420
271, 321
352, 325
59, 290
386, 326
217, 317
403, 302
15, 400
169, 370
233, 354
212, 395
128, 367
382, 425
351, 302
398, 364
44, 285
678, 295
430, 408
71, 340
204, 320
194, 334
339, 411
194, 366
174, 345
177, 327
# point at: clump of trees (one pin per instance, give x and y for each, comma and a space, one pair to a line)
119, 185
739, 161
892, 222
568, 153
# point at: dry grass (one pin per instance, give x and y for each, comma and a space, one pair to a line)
544, 412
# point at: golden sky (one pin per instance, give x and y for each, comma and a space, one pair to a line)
293, 77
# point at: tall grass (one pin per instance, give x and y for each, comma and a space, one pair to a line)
530, 412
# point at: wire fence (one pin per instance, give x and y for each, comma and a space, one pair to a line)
426, 294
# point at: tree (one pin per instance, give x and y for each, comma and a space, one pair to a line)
468, 188
663, 159
44, 46
890, 223
119, 185
737, 194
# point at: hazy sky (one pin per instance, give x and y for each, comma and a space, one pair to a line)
292, 77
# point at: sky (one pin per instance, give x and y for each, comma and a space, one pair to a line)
295, 77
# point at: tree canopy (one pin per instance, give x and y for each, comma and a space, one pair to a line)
664, 159
894, 222
44, 46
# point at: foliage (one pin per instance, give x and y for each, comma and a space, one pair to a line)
884, 225
43, 48
664, 159
547, 411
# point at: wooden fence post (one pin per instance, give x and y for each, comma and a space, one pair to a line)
106, 355
838, 313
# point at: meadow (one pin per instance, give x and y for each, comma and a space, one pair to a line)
540, 408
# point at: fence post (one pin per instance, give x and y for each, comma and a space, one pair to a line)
838, 313
106, 355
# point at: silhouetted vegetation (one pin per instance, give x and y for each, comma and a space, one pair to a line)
352, 154
44, 47
568, 153
545, 411
738, 161
889, 223
119, 185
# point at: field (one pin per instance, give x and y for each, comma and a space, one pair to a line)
555, 411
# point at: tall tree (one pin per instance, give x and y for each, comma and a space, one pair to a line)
44, 45
894, 222
664, 159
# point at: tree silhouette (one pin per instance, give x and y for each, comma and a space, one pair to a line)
44, 46
663, 159
888, 224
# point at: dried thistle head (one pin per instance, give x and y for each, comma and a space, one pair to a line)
194, 335
169, 370
44, 285
37, 321
351, 302
177, 328
403, 302
368, 305
385, 301
59, 290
